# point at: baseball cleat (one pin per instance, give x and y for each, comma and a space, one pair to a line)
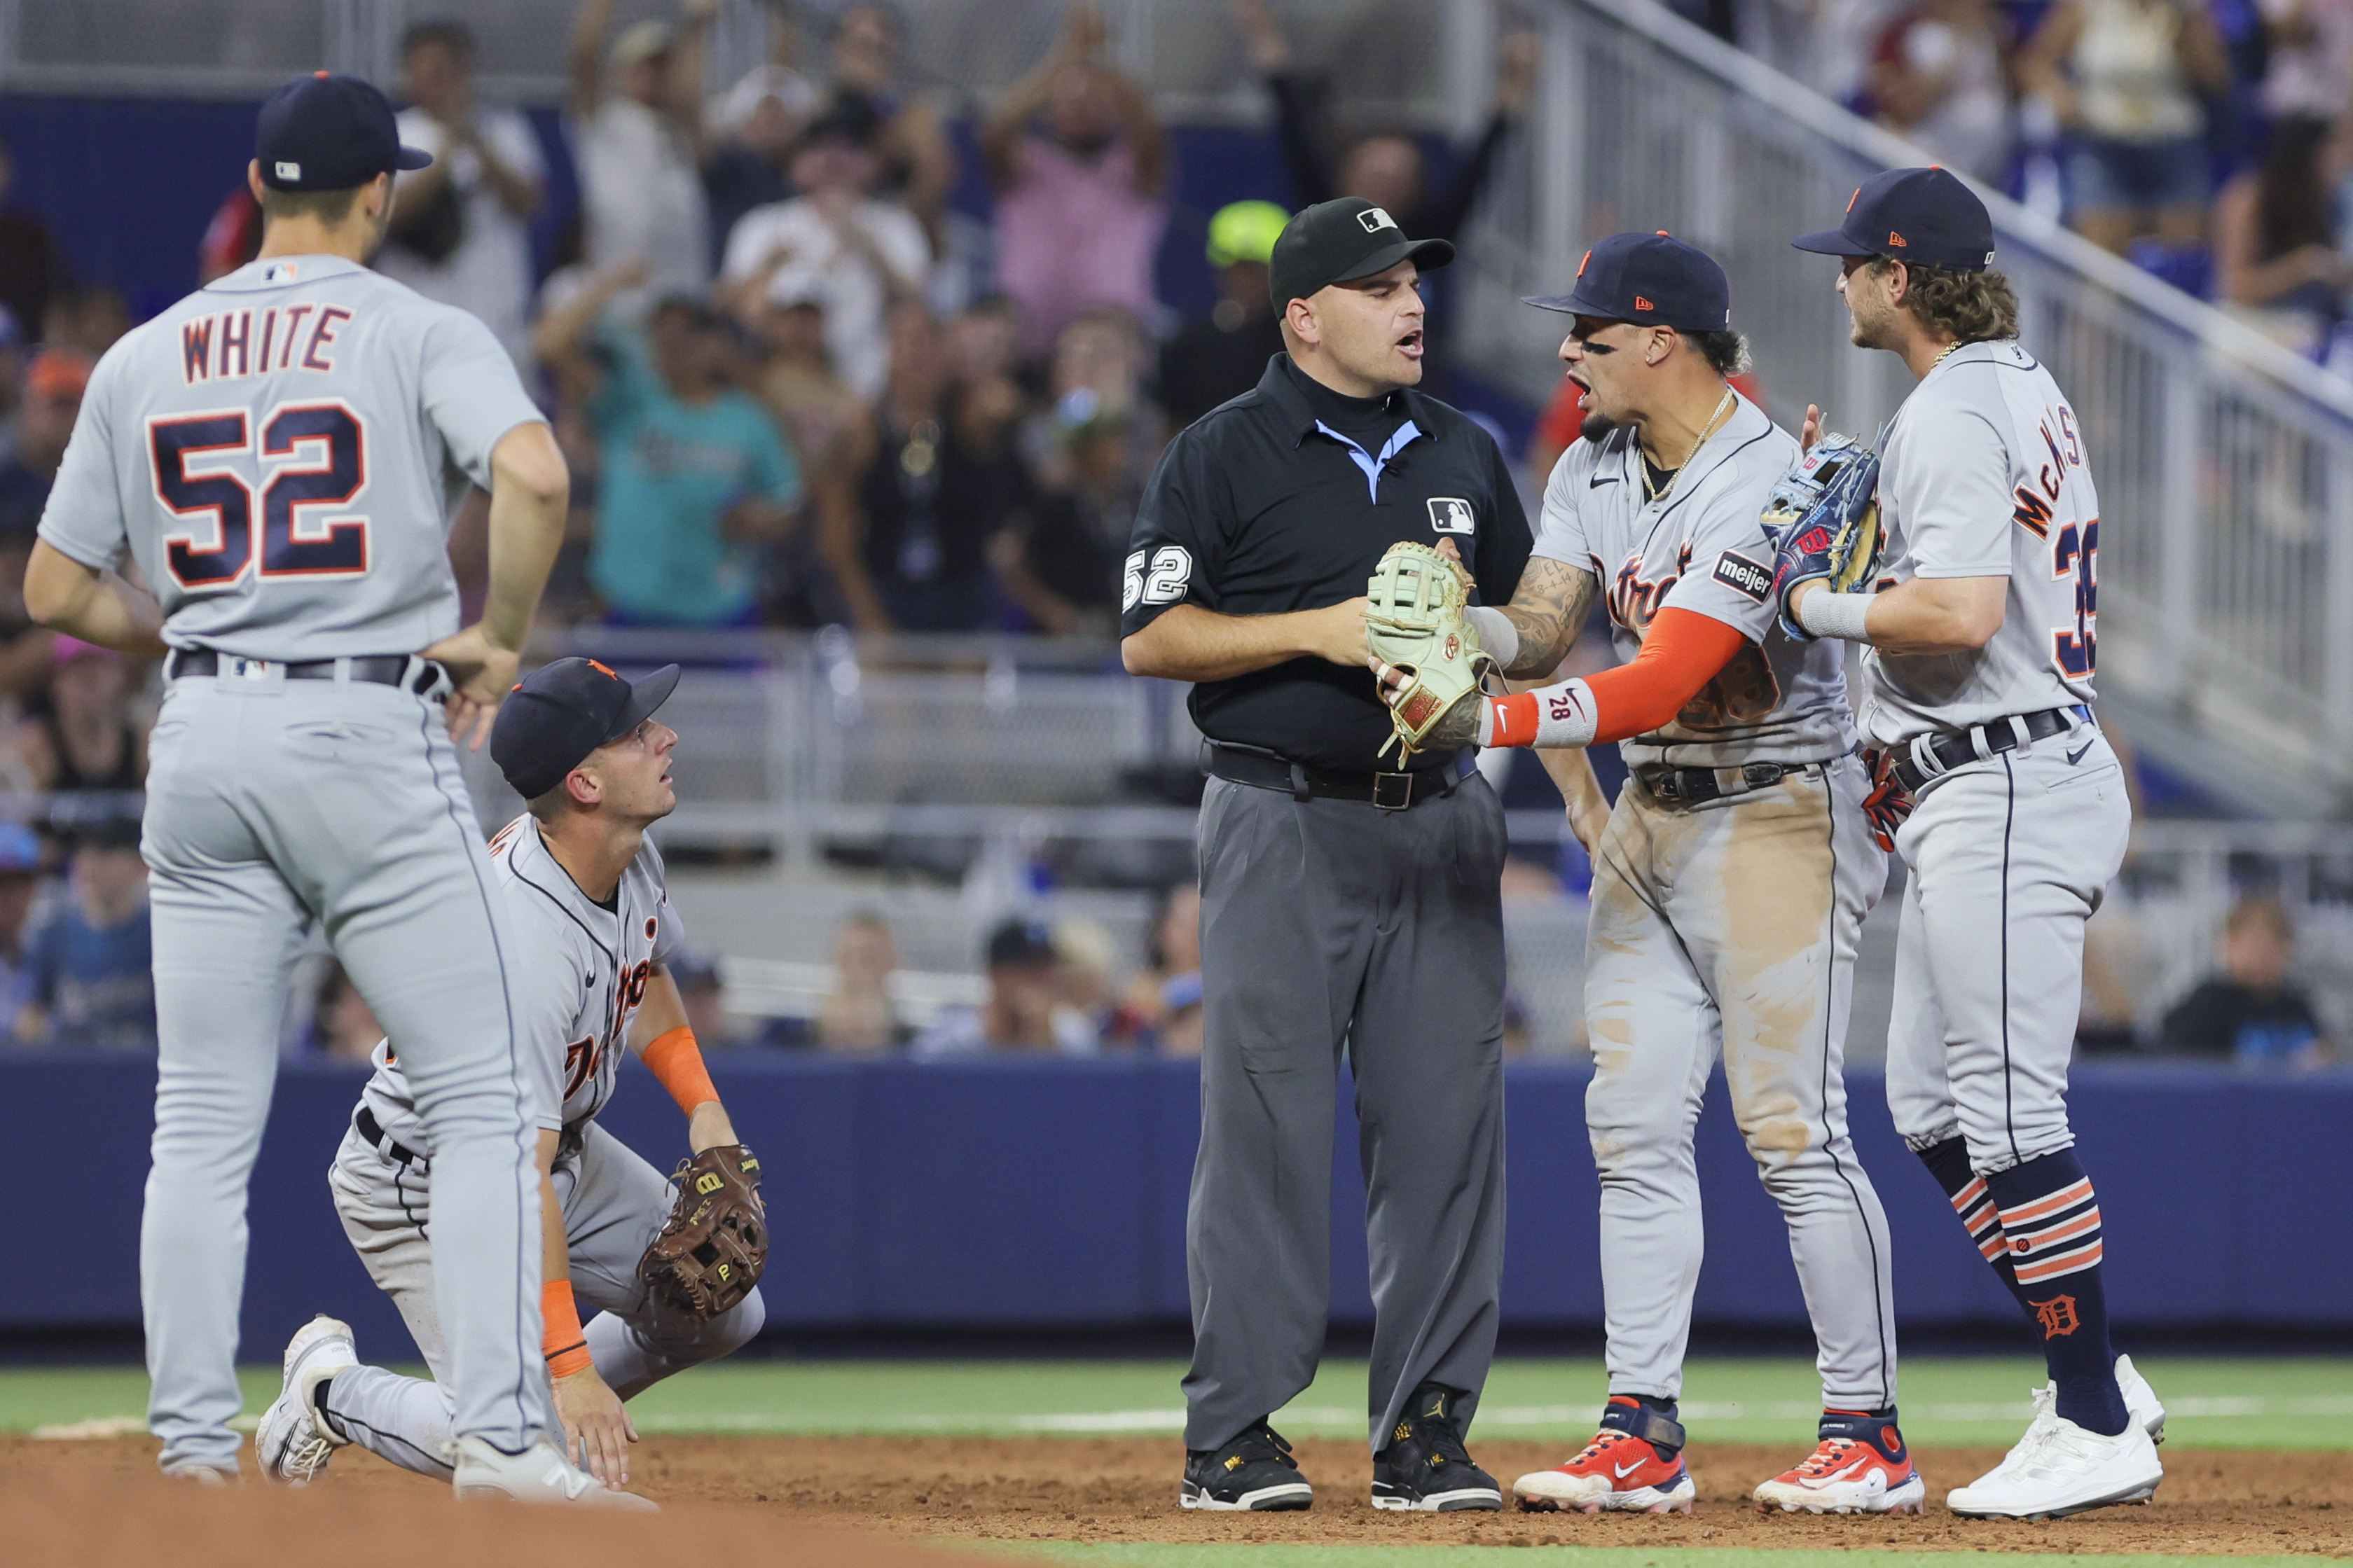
197, 1473
1862, 1466
1254, 1473
294, 1440
2059, 1468
1426, 1468
2140, 1399
1634, 1465
539, 1474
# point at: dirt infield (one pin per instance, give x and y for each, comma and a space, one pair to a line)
363, 1512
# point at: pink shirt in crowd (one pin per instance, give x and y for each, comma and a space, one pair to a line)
1072, 233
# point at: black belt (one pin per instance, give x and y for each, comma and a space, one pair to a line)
1391, 792
398, 1153
378, 669
1954, 748
1694, 786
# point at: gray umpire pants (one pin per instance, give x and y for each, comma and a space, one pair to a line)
1327, 925
270, 802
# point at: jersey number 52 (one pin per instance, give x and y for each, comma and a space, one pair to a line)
313, 456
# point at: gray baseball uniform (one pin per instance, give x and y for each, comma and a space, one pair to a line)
585, 969
1984, 475
1729, 925
276, 451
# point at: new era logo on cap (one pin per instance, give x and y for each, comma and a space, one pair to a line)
1898, 241
1643, 304
1375, 219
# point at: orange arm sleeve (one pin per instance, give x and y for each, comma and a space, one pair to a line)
677, 1061
1683, 653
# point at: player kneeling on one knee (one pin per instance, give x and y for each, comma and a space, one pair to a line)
672, 1274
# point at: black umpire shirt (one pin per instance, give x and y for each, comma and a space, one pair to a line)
1283, 499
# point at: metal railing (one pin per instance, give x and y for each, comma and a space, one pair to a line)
2226, 463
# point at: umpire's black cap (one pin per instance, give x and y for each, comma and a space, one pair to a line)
562, 712
1339, 242
1926, 215
1649, 279
329, 132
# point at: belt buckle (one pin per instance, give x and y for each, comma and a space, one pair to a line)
1760, 775
1669, 785
1392, 791
245, 669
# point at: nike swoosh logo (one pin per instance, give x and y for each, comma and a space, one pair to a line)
1625, 1471
1601, 480
2077, 754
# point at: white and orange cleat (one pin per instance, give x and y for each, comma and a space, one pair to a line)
1862, 1466
1633, 1464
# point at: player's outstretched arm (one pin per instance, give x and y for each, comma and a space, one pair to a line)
1546, 613
1918, 617
661, 1036
597, 1431
530, 489
1185, 642
96, 606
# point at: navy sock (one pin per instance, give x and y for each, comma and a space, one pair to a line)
2048, 1203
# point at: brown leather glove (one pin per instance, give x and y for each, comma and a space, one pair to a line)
714, 1247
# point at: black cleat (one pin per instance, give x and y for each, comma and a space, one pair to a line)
1426, 1468
1254, 1473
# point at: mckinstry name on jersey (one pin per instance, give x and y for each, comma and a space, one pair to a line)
585, 968
1700, 547
281, 451
1984, 475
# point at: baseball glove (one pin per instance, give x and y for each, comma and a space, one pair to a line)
1823, 519
1414, 624
714, 1245
1889, 803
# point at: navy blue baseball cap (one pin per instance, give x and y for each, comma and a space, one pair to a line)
1649, 279
1926, 215
562, 711
329, 132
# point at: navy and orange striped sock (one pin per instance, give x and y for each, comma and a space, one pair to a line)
2052, 1218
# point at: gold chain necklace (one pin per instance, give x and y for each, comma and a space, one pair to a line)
1699, 440
1942, 355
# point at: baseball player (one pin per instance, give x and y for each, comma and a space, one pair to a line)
1976, 686
1730, 882
594, 932
276, 452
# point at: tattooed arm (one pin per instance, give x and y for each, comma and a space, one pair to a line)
1548, 612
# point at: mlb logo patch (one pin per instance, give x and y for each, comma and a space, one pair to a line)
1375, 219
290, 171
1450, 514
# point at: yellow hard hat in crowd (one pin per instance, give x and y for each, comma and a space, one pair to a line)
1245, 231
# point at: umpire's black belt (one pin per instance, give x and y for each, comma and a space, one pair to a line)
1391, 792
372, 1132
376, 669
1933, 755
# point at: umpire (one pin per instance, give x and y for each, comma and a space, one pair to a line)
1342, 906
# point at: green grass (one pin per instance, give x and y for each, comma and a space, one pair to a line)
2216, 1403
1169, 1554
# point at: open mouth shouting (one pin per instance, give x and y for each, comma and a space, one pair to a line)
1409, 346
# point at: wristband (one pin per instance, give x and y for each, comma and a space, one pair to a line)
677, 1061
565, 1347
1561, 715
1829, 615
1496, 634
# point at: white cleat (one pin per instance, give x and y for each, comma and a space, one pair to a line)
2059, 1468
2140, 1399
294, 1441
539, 1474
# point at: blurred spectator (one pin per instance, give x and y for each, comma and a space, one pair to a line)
637, 137
704, 998
2251, 1012
2308, 58
12, 377
816, 407
1937, 80
1222, 355
343, 1029
232, 239
85, 737
1167, 995
919, 167
859, 1016
1081, 198
88, 966
1025, 1009
934, 475
51, 400
756, 125
695, 477
1089, 1004
2276, 259
90, 319
1384, 168
20, 885
837, 243
460, 227
34, 272
2126, 78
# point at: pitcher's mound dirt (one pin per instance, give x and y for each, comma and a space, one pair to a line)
775, 1490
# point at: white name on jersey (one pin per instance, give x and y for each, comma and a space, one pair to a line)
228, 344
